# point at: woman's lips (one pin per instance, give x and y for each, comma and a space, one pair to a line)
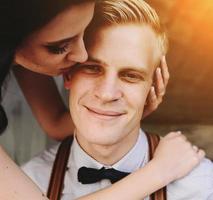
104, 113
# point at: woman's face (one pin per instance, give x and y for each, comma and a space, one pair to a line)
59, 44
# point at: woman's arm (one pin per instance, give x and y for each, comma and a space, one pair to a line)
46, 103
14, 184
160, 171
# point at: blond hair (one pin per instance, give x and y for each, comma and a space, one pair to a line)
115, 12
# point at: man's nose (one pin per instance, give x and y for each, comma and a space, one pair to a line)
108, 90
78, 52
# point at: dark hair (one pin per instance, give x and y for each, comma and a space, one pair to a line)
18, 19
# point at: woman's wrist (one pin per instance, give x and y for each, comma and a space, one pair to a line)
159, 173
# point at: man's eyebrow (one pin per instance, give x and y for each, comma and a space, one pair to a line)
96, 60
137, 69
58, 42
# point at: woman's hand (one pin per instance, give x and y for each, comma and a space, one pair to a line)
157, 91
175, 156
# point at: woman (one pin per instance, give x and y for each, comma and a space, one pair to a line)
49, 40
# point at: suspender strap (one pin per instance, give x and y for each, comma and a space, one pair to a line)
58, 171
153, 141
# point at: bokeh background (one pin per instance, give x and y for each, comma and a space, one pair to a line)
189, 24
187, 105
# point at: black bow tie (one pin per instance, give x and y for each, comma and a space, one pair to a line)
91, 175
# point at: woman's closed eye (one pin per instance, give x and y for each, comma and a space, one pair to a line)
57, 49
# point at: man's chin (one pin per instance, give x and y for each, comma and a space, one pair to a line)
102, 136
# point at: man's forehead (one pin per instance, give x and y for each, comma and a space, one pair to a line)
126, 39
127, 30
121, 54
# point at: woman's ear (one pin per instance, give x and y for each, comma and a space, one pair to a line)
19, 57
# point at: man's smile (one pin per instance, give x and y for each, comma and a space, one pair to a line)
104, 114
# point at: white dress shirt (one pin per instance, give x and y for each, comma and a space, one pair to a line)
198, 185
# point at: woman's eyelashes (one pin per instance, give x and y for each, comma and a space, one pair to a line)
57, 49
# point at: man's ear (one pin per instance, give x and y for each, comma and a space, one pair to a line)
67, 81
153, 81
148, 96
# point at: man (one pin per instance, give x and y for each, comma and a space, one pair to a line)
107, 96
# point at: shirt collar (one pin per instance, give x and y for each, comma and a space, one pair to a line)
132, 161
137, 157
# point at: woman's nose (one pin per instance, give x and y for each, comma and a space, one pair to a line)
78, 52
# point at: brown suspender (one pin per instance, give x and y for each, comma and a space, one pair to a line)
58, 171
60, 166
153, 141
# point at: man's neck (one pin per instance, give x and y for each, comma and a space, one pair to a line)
109, 154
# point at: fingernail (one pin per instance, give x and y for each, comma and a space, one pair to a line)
164, 58
158, 70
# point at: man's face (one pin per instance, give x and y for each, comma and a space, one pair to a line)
108, 92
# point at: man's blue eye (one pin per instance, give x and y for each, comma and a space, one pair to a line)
131, 77
91, 69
